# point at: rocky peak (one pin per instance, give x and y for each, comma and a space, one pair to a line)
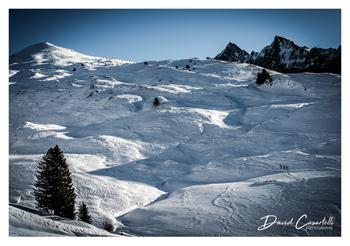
278, 40
233, 53
284, 55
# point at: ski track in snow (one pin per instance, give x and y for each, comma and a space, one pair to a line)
204, 162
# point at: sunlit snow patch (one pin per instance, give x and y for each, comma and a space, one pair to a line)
43, 127
208, 116
175, 89
107, 83
12, 72
38, 75
46, 130
76, 85
232, 85
124, 150
59, 74
295, 151
46, 134
130, 97
290, 106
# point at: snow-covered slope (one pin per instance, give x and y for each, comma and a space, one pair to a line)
24, 222
230, 209
213, 129
49, 54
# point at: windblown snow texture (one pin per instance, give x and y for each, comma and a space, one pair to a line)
206, 161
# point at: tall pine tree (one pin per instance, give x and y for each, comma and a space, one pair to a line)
83, 213
54, 191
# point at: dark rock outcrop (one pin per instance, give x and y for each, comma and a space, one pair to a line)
284, 55
233, 53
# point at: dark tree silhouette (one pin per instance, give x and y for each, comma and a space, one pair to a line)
108, 226
53, 189
156, 102
263, 77
83, 213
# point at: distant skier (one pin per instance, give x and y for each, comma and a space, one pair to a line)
280, 166
287, 169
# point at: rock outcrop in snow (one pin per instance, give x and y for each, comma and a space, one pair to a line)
233, 53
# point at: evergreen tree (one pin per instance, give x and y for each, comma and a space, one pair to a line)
156, 102
54, 191
83, 213
108, 226
263, 77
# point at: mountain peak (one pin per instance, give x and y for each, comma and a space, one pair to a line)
45, 53
230, 44
35, 48
39, 53
43, 45
278, 40
233, 53
284, 55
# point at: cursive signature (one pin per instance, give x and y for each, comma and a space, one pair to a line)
301, 223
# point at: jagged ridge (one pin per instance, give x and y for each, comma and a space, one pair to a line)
284, 55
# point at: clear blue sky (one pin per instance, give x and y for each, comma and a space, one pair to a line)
167, 34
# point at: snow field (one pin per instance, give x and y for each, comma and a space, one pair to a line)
204, 162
